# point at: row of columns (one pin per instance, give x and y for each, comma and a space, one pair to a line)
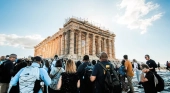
50, 49
68, 47
61, 45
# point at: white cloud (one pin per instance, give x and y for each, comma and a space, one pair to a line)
27, 42
135, 11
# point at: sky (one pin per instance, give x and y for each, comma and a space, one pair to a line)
141, 26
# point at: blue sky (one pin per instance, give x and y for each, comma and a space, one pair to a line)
141, 26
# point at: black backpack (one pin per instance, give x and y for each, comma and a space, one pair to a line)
160, 85
88, 71
88, 85
111, 81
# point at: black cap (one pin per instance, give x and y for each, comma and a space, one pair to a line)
37, 58
86, 57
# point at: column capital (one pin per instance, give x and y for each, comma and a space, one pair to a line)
87, 33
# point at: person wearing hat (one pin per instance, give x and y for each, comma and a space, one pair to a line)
42, 73
6, 72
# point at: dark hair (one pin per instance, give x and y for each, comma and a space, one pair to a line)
58, 63
145, 66
37, 59
94, 62
56, 56
86, 57
19, 60
123, 62
21, 65
125, 56
147, 55
47, 64
78, 64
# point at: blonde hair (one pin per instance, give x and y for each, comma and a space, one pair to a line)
70, 66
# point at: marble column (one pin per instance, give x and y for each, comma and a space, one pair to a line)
71, 42
50, 50
66, 41
94, 47
56, 46
110, 49
62, 44
113, 49
105, 48
87, 44
52, 54
52, 45
79, 44
99, 44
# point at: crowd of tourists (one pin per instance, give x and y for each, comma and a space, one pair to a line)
67, 76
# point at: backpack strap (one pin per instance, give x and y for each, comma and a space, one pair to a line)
111, 70
55, 74
102, 66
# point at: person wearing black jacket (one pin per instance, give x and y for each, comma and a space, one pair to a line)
6, 71
85, 87
151, 63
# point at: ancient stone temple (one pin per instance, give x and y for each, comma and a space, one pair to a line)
76, 39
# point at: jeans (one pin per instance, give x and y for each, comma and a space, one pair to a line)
129, 78
138, 73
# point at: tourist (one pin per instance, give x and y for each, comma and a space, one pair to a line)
78, 63
54, 61
168, 65
147, 80
158, 66
98, 74
20, 64
137, 69
7, 57
55, 75
2, 59
6, 73
151, 63
94, 62
129, 73
84, 71
69, 81
47, 66
122, 74
30, 76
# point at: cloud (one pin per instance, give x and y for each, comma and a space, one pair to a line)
135, 14
26, 42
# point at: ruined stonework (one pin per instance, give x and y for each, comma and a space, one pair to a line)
76, 39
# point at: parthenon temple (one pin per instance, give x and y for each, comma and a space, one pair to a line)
76, 39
